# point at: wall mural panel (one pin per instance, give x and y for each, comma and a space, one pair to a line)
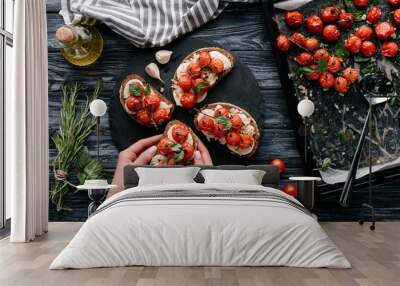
241, 29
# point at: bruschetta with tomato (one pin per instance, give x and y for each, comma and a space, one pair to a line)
198, 73
176, 147
144, 103
231, 126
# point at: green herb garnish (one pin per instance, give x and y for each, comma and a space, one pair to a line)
361, 59
147, 89
341, 51
201, 85
227, 125
350, 7
135, 89
325, 164
368, 70
322, 66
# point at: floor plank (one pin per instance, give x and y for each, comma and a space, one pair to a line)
375, 257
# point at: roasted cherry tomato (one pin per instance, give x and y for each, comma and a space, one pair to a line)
304, 59
290, 189
330, 14
161, 115
185, 82
217, 66
283, 43
361, 3
311, 44
245, 141
393, 2
219, 130
222, 111
320, 54
314, 24
180, 133
331, 33
194, 69
188, 100
134, 103
346, 19
364, 32
314, 75
327, 80
351, 75
390, 49
341, 85
206, 123
294, 19
152, 101
204, 59
280, 164
396, 16
236, 121
143, 117
353, 44
299, 39
188, 151
233, 138
165, 146
136, 89
334, 64
384, 30
202, 90
368, 49
374, 14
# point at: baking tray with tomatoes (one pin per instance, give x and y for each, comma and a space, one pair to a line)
324, 49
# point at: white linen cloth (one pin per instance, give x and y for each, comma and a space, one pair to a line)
146, 23
27, 124
221, 231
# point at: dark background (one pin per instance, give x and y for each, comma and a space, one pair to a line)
240, 28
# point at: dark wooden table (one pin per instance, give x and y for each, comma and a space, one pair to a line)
241, 28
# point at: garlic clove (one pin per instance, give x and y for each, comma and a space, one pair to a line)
152, 70
163, 56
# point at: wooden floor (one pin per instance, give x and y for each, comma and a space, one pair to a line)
375, 257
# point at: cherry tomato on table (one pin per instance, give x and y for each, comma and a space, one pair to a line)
188, 100
331, 33
134, 103
327, 81
330, 14
314, 24
280, 164
353, 44
283, 43
390, 49
374, 14
396, 16
384, 30
304, 59
311, 44
361, 3
341, 85
314, 75
299, 39
368, 49
364, 32
351, 75
346, 20
334, 64
294, 19
393, 2
180, 133
161, 115
321, 54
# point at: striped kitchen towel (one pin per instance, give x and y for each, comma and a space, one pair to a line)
146, 23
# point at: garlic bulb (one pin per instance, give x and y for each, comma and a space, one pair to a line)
152, 70
163, 56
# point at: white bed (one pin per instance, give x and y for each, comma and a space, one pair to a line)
185, 230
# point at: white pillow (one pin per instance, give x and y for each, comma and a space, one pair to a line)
248, 177
166, 176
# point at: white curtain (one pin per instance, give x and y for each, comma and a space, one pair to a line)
27, 123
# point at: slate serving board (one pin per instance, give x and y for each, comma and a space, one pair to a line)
239, 87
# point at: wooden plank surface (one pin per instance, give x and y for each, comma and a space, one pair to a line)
240, 28
375, 259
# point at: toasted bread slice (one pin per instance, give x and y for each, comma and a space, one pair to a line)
219, 53
124, 95
249, 127
160, 158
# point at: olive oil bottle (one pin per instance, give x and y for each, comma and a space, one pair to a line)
80, 45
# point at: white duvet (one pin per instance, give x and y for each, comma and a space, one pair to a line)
200, 231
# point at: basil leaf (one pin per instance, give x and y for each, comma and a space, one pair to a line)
361, 59
369, 69
147, 89
322, 66
325, 164
224, 121
176, 147
179, 156
201, 85
350, 7
135, 90
341, 51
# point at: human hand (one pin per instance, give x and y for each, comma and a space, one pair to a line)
139, 153
201, 155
